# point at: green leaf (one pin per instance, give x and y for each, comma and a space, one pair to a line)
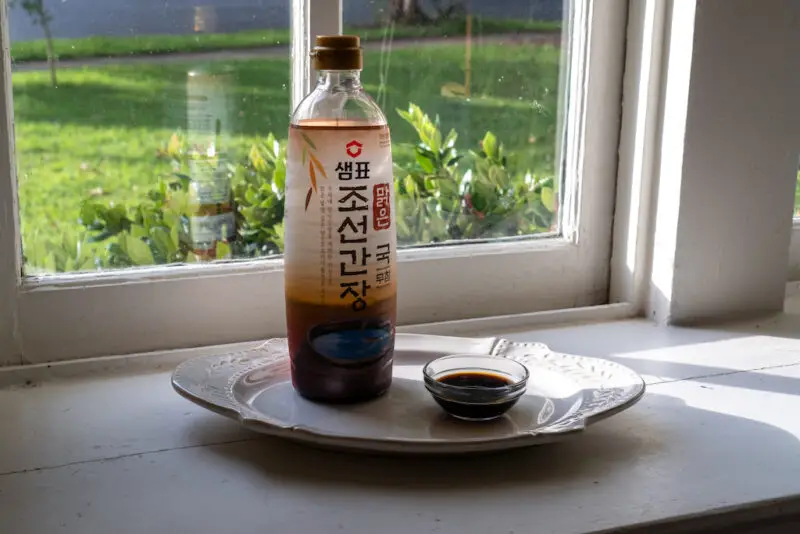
410, 185
247, 212
257, 160
425, 163
137, 250
50, 263
454, 160
542, 211
223, 250
102, 236
163, 242
450, 140
490, 144
549, 199
436, 139
423, 149
278, 235
88, 212
448, 189
272, 144
138, 231
279, 178
182, 182
117, 218
175, 232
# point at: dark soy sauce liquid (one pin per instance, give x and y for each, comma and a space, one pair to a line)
483, 406
340, 356
484, 380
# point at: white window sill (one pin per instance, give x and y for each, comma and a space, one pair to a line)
715, 438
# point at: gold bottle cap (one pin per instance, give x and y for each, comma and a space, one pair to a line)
337, 52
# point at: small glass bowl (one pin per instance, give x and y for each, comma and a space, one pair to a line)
475, 388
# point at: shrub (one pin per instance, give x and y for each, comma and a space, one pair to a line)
437, 202
156, 231
443, 194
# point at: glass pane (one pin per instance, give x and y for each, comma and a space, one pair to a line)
159, 135
797, 195
471, 92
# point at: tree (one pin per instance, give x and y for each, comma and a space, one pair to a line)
412, 12
42, 18
447, 9
406, 12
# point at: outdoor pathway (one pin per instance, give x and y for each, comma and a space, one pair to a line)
282, 50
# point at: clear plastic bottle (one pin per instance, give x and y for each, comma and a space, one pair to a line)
212, 217
340, 240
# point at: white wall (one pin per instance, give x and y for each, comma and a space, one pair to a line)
728, 166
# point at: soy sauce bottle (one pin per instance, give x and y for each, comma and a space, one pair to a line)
340, 238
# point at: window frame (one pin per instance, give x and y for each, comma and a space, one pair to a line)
10, 261
719, 170
53, 318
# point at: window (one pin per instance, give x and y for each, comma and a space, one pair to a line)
794, 249
510, 213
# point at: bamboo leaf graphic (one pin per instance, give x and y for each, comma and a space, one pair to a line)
305, 154
309, 141
313, 174
318, 165
308, 198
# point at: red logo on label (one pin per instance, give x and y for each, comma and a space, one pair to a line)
381, 207
354, 148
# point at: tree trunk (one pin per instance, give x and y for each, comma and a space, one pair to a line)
51, 57
406, 12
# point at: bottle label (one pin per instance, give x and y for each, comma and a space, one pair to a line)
210, 183
340, 234
212, 228
208, 110
340, 246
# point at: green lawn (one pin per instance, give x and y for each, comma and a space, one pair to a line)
99, 131
164, 44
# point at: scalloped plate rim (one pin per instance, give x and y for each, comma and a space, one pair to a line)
398, 445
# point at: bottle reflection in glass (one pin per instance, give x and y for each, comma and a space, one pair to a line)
212, 220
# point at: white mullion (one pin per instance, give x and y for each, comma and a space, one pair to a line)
644, 74
10, 273
578, 27
592, 121
309, 19
728, 166
73, 316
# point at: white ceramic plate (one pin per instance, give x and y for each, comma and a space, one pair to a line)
565, 393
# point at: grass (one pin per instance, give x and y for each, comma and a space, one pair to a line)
165, 44
98, 132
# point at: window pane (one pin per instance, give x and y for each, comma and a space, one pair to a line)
797, 195
159, 137
471, 93
153, 141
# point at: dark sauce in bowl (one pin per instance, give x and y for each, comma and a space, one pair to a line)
475, 379
485, 402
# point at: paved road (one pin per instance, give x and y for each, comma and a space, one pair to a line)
252, 53
80, 18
